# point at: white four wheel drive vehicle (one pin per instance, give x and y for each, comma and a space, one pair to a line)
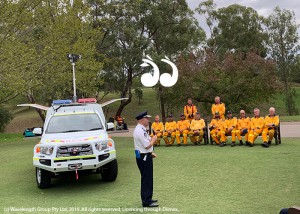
74, 139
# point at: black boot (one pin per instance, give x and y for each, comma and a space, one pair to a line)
269, 142
232, 144
241, 143
265, 144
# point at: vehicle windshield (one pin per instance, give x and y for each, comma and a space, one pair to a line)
74, 123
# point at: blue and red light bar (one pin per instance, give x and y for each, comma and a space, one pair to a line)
61, 102
87, 100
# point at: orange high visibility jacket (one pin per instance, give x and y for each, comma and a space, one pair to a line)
219, 124
157, 126
244, 123
271, 120
197, 124
183, 124
257, 123
189, 110
231, 122
218, 107
170, 126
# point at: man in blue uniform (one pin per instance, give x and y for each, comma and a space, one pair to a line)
143, 146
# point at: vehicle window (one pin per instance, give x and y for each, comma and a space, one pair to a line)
74, 123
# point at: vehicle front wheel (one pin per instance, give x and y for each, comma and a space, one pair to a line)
43, 178
109, 171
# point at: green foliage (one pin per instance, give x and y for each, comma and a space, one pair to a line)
5, 117
37, 65
284, 48
241, 82
135, 28
236, 28
139, 94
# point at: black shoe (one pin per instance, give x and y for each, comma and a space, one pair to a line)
269, 143
247, 143
265, 144
222, 144
232, 144
167, 145
179, 144
151, 205
241, 143
195, 143
154, 201
250, 144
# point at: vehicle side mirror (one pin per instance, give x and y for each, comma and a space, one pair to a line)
37, 131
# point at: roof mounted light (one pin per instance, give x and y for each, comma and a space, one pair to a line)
87, 100
61, 102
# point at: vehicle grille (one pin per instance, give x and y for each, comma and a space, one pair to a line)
67, 151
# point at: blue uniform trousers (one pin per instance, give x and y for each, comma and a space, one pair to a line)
146, 170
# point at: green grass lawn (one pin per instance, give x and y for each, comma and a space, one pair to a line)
192, 179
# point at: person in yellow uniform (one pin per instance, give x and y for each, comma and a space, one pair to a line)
231, 124
218, 106
217, 130
196, 129
189, 110
157, 129
170, 131
182, 128
256, 127
271, 122
243, 125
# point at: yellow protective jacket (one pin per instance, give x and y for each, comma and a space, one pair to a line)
271, 120
231, 122
257, 123
170, 126
219, 124
218, 107
183, 124
244, 123
189, 110
157, 126
197, 124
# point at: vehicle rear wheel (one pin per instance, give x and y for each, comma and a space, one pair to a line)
43, 178
109, 171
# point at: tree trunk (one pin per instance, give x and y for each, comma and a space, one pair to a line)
162, 103
39, 111
126, 90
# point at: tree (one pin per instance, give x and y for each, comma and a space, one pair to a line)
235, 27
139, 94
37, 65
283, 48
135, 28
5, 118
241, 81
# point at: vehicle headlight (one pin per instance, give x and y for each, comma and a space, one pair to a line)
46, 150
101, 146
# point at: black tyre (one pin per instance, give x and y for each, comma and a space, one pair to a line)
43, 178
109, 171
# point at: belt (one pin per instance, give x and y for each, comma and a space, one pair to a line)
146, 153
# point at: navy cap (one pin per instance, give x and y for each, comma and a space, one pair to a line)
182, 115
170, 115
229, 112
142, 115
